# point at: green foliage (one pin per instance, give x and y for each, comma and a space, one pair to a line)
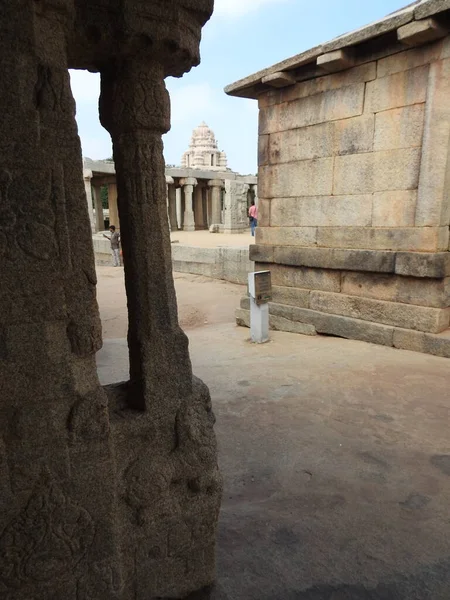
104, 196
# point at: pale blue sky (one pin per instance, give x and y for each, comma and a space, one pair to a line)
242, 37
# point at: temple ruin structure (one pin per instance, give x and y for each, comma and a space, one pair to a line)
104, 493
354, 183
199, 195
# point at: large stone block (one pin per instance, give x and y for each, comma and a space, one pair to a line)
431, 8
395, 288
409, 59
304, 178
432, 320
330, 106
359, 74
289, 236
264, 212
303, 277
322, 211
291, 296
263, 150
399, 127
436, 344
395, 91
337, 325
376, 171
433, 202
302, 144
417, 264
426, 239
354, 136
333, 258
262, 254
394, 209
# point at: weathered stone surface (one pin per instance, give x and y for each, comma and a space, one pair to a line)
409, 59
337, 60
376, 171
428, 239
359, 74
261, 254
303, 178
394, 209
433, 202
433, 7
417, 264
323, 211
263, 150
291, 296
104, 493
302, 277
420, 32
395, 91
438, 344
331, 258
394, 288
264, 208
302, 144
289, 236
399, 128
354, 136
432, 320
311, 110
336, 325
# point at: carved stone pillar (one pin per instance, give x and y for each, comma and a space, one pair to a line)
188, 187
216, 201
87, 175
99, 216
112, 205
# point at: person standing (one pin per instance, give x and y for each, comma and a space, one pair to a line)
114, 240
253, 217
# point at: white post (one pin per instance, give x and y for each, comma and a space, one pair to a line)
259, 287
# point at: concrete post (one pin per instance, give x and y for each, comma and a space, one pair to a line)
216, 201
112, 205
188, 185
87, 175
99, 216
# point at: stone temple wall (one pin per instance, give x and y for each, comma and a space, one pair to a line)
354, 209
105, 493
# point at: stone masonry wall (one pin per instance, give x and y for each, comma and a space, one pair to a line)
353, 184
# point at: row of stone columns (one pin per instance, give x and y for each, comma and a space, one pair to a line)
192, 210
95, 206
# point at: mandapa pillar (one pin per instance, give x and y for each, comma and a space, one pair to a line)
99, 216
87, 176
171, 207
216, 186
188, 187
112, 205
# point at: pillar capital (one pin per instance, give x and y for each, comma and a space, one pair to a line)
216, 183
87, 174
188, 181
169, 180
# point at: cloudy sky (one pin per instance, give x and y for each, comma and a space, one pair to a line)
242, 37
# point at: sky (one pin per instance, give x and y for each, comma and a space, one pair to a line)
242, 37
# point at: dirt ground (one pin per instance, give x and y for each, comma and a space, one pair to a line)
335, 455
202, 301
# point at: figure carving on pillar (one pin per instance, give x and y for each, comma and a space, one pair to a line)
89, 508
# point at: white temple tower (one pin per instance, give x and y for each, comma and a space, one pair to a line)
203, 151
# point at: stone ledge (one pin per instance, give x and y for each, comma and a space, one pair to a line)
345, 327
435, 265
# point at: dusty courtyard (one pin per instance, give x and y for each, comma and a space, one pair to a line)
335, 454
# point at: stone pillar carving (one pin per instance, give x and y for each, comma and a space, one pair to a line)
188, 186
99, 216
112, 205
180, 207
216, 186
87, 175
198, 208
